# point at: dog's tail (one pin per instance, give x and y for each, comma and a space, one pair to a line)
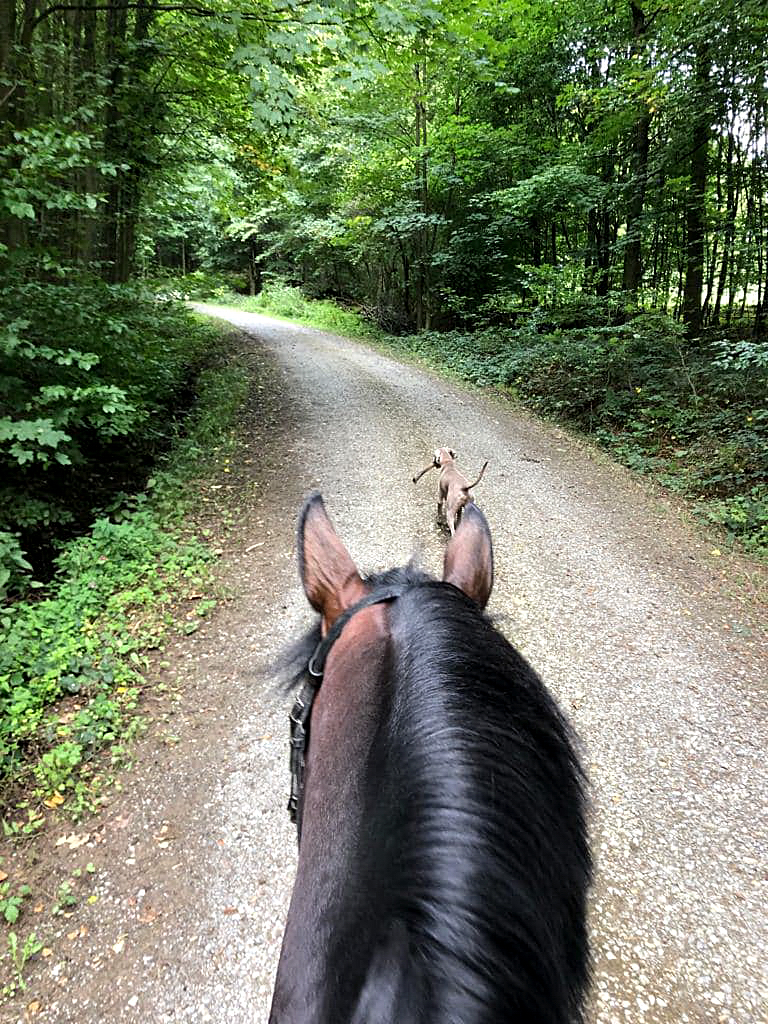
469, 486
425, 470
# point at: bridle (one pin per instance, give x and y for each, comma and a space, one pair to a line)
301, 712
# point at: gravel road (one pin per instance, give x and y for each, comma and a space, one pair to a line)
650, 641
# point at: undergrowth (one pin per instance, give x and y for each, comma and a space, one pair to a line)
72, 656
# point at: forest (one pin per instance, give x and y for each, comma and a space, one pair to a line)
566, 201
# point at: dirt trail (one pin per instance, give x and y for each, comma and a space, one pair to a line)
612, 596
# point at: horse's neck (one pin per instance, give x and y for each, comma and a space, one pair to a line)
391, 992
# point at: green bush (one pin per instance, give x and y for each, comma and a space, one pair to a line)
94, 380
79, 640
205, 285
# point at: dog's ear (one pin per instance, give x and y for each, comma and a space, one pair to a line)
452, 453
468, 562
330, 578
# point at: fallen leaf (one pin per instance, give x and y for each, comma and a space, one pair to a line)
119, 946
46, 951
33, 1007
73, 841
147, 915
3, 875
54, 800
230, 910
72, 935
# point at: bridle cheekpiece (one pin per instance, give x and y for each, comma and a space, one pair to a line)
301, 712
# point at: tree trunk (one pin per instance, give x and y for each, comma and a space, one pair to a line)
536, 230
423, 312
129, 60
88, 223
7, 99
602, 286
406, 279
633, 266
254, 269
729, 232
7, 37
116, 24
15, 70
697, 193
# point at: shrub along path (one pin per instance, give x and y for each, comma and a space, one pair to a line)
649, 639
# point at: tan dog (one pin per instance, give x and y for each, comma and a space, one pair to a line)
453, 486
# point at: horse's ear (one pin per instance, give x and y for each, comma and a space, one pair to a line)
468, 562
330, 577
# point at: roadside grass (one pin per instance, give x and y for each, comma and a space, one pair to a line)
72, 656
277, 299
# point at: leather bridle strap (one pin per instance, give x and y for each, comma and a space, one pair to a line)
302, 707
316, 665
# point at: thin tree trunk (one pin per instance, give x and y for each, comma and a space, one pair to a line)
129, 61
116, 25
424, 314
536, 229
17, 70
729, 232
604, 253
633, 268
696, 199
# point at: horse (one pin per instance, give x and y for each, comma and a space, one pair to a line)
441, 806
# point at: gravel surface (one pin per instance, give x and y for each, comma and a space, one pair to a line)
652, 643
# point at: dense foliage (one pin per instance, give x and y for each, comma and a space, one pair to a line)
500, 160
116, 591
89, 405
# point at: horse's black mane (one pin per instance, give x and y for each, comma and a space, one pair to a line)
465, 896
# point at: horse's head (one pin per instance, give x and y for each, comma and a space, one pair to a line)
443, 862
354, 629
